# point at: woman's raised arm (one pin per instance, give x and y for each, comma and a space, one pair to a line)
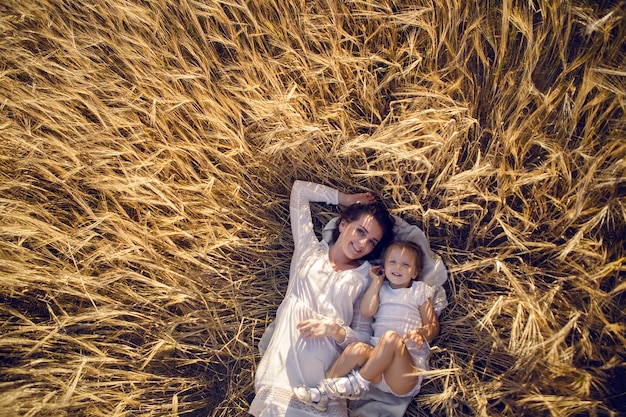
302, 194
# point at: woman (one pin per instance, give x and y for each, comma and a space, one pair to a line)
319, 314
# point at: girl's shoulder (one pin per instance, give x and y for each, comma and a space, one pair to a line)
422, 288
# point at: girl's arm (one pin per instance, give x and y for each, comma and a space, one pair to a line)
430, 325
430, 328
370, 301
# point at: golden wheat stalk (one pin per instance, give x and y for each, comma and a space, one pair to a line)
147, 153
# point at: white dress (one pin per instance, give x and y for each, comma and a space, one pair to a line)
399, 308
315, 290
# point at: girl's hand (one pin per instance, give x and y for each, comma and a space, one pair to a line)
377, 275
362, 198
316, 328
416, 336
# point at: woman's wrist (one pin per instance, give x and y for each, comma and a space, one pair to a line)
342, 199
339, 334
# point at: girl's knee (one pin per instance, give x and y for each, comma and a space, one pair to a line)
391, 335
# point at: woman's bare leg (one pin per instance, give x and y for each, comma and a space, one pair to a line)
391, 358
354, 355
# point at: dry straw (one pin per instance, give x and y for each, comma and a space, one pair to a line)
148, 148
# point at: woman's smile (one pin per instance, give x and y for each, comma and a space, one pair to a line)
361, 236
357, 247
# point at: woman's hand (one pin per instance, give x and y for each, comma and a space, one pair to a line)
315, 328
362, 198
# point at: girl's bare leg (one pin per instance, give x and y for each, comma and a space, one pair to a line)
391, 358
354, 355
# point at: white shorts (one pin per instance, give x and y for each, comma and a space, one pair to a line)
382, 385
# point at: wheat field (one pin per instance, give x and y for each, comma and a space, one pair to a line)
147, 150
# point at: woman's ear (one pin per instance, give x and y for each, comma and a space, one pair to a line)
342, 225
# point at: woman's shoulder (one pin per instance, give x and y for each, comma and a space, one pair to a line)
361, 272
363, 269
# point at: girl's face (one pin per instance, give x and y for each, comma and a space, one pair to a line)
358, 238
400, 267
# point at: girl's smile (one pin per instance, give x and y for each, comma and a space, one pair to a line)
400, 267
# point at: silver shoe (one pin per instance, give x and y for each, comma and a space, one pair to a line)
344, 387
304, 395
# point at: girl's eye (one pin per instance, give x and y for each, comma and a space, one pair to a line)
360, 231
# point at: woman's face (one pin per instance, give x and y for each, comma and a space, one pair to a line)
358, 238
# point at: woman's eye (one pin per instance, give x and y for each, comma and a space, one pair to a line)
360, 231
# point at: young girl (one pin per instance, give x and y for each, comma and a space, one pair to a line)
404, 319
320, 311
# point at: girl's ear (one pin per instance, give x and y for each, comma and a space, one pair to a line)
342, 225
